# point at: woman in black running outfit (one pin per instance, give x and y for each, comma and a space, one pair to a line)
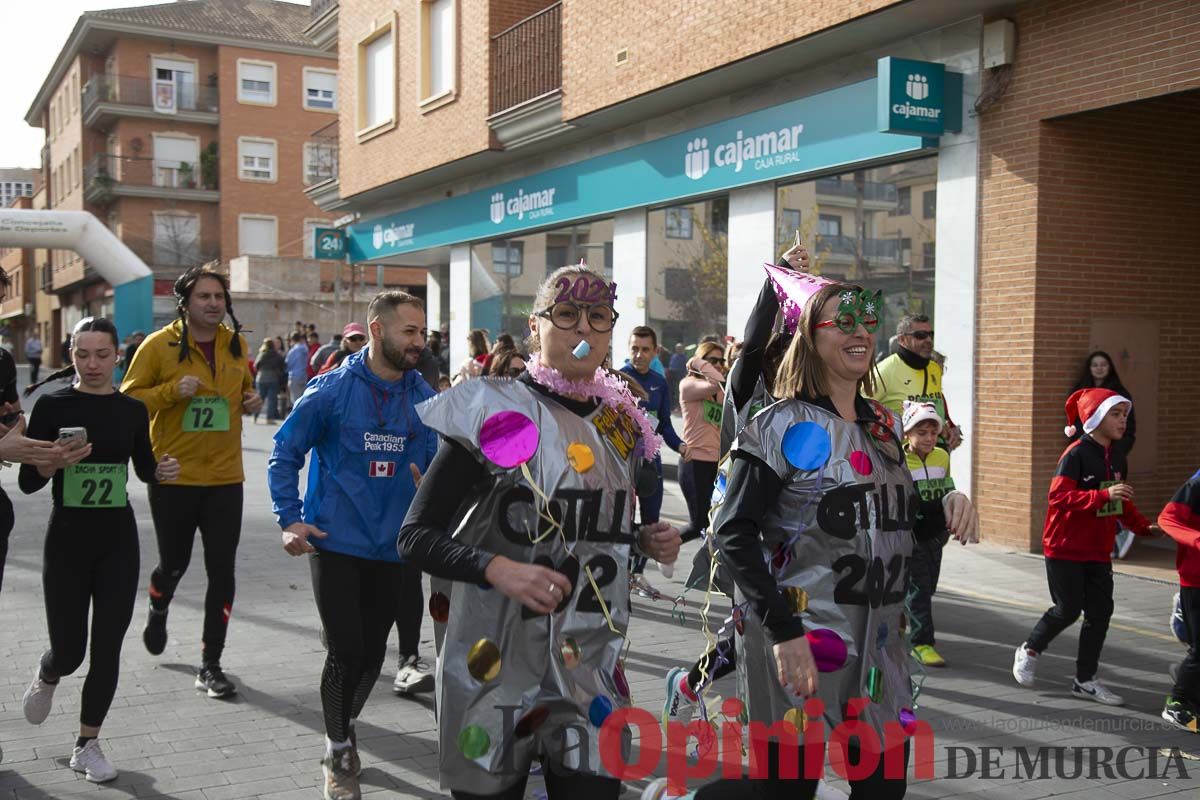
91, 554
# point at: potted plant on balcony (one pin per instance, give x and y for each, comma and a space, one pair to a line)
208, 166
187, 180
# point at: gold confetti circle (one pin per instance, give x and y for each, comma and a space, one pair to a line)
580, 456
797, 599
797, 718
483, 662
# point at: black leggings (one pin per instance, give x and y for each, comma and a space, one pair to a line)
7, 520
874, 787
558, 787
91, 560
357, 600
1077, 586
410, 608
715, 664
696, 478
217, 512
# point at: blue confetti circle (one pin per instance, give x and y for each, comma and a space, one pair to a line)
806, 445
599, 710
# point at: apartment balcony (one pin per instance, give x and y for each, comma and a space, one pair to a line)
107, 178
322, 177
526, 79
323, 24
175, 251
107, 98
847, 194
844, 249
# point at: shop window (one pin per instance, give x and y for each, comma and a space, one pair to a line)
508, 258
859, 227
687, 276
789, 223
829, 225
679, 223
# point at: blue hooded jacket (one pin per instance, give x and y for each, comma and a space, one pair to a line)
365, 433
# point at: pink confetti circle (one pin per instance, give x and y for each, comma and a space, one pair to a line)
508, 439
828, 649
861, 462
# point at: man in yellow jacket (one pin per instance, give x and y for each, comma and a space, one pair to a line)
911, 374
194, 378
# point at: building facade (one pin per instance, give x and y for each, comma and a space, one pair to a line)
184, 128
678, 148
16, 183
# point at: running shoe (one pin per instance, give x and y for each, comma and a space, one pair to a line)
91, 761
38, 699
926, 656
1024, 666
678, 707
1123, 542
212, 679
1178, 627
657, 790
1095, 690
340, 781
1182, 715
415, 675
355, 761
155, 634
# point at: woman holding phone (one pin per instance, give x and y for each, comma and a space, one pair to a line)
91, 556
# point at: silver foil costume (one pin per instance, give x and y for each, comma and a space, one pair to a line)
512, 685
838, 541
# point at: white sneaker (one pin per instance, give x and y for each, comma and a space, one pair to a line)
91, 761
677, 707
657, 790
1095, 690
1024, 666
38, 699
415, 675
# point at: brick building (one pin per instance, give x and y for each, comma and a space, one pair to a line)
184, 128
679, 146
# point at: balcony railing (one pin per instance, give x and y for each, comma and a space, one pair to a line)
323, 155
526, 59
318, 7
877, 192
108, 175
162, 96
878, 249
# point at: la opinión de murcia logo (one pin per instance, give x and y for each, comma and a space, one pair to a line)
525, 204
761, 151
917, 87
392, 235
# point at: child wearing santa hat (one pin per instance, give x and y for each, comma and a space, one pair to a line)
1181, 521
1087, 495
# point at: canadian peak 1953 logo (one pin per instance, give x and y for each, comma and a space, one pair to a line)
759, 151
531, 205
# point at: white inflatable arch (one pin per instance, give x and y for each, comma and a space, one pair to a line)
131, 279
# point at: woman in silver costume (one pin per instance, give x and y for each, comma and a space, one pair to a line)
528, 509
816, 530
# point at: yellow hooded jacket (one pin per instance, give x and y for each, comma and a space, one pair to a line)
208, 458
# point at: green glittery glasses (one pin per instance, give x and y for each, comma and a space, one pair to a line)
857, 307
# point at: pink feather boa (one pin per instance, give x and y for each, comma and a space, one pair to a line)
605, 387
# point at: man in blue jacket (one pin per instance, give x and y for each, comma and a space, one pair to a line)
370, 450
643, 345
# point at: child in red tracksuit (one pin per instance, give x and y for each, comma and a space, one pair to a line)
1087, 497
1181, 521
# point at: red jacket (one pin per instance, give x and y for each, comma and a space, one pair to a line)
1181, 521
1076, 527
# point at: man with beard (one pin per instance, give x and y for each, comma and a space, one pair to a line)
194, 379
371, 448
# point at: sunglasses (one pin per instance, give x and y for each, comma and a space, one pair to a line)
565, 315
920, 336
715, 361
356, 338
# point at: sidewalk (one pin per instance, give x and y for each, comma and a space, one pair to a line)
169, 741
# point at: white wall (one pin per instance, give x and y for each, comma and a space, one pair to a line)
751, 240
629, 272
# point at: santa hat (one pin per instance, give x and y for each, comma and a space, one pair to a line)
1091, 405
793, 289
916, 413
